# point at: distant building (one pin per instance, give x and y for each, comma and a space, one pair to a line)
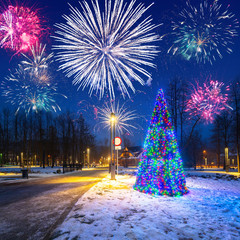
130, 156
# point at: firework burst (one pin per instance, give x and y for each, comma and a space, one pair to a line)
20, 28
100, 48
123, 120
37, 64
208, 101
22, 91
204, 32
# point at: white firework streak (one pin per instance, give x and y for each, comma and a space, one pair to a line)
123, 117
100, 48
7, 28
38, 61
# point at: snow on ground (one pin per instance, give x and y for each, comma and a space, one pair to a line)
214, 174
12, 174
39, 170
113, 210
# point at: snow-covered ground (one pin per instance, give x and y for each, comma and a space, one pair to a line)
113, 210
214, 174
12, 174
39, 170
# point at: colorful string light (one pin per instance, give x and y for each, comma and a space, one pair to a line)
160, 170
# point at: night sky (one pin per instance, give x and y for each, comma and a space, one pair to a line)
168, 66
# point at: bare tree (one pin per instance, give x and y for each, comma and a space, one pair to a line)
173, 99
63, 136
38, 135
41, 134
85, 138
216, 139
182, 105
235, 96
6, 134
177, 93
53, 142
1, 140
193, 150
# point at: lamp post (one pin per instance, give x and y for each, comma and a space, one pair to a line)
35, 158
84, 156
226, 160
112, 122
88, 155
22, 161
205, 158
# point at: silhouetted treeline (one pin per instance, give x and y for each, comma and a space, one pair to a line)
43, 139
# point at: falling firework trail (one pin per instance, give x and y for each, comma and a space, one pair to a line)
100, 48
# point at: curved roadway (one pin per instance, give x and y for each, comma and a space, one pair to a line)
32, 209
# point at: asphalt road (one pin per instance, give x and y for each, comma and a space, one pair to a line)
33, 209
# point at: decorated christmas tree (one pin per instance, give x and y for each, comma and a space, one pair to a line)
160, 170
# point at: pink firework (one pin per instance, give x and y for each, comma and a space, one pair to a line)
208, 101
20, 28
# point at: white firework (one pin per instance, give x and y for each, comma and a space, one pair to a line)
98, 48
38, 63
123, 117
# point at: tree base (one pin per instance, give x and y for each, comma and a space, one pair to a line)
159, 192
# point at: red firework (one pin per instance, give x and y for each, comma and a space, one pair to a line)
20, 28
208, 101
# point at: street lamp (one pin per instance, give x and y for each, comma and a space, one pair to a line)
112, 123
84, 160
88, 155
22, 161
226, 162
205, 157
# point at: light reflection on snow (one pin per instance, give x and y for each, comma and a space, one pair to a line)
113, 210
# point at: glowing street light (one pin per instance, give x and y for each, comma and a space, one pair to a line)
88, 155
205, 157
113, 118
226, 160
113, 124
